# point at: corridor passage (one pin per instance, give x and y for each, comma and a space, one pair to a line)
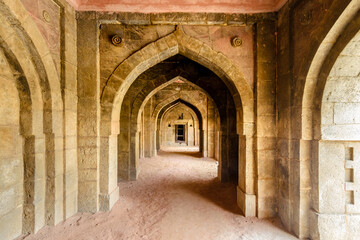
176, 197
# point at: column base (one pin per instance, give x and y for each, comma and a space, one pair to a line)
246, 203
107, 201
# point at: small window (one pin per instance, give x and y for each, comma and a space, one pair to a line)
179, 133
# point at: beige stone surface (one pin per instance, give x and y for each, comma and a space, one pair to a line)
279, 114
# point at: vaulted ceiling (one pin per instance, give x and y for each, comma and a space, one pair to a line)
157, 6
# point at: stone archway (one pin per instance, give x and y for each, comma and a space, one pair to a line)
166, 105
126, 73
158, 75
40, 98
312, 171
184, 94
151, 125
189, 119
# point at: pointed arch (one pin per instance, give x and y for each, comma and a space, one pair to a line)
168, 104
168, 46
117, 85
40, 94
310, 170
185, 107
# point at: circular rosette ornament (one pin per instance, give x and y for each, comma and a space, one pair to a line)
116, 40
236, 42
46, 16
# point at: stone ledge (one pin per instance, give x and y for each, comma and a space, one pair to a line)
235, 19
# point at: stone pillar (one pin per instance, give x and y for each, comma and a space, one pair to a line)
246, 197
203, 142
157, 141
70, 113
147, 130
134, 155
88, 114
265, 118
210, 129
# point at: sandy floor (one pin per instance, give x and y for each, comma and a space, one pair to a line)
176, 197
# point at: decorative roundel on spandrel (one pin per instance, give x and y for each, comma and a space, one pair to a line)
116, 40
46, 16
236, 42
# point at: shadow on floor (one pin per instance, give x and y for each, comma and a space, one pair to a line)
221, 194
163, 153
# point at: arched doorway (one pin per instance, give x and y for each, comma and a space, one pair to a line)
34, 145
112, 103
325, 147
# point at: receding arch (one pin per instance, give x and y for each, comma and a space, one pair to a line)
190, 129
178, 78
181, 93
200, 116
158, 75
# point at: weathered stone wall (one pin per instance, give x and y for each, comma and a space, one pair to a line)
38, 39
88, 115
11, 155
265, 118
304, 61
338, 150
85, 97
57, 24
340, 118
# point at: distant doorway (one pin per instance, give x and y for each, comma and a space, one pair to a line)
180, 133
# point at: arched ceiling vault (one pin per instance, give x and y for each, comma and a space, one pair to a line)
166, 71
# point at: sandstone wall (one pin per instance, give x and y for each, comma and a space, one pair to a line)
260, 108
338, 150
307, 49
340, 119
11, 155
38, 39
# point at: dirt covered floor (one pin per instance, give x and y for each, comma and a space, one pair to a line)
177, 197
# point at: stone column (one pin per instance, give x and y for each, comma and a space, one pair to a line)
147, 130
246, 198
70, 114
265, 118
88, 114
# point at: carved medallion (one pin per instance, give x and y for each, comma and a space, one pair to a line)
46, 16
116, 40
236, 42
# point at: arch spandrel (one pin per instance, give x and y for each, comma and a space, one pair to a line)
176, 43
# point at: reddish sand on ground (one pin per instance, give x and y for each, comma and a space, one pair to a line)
176, 197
